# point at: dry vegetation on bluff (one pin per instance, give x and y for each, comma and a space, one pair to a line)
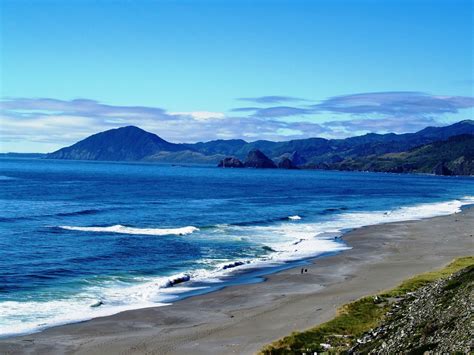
430, 312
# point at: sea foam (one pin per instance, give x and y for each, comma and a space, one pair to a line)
285, 241
130, 230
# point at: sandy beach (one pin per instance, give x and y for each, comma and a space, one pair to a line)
241, 319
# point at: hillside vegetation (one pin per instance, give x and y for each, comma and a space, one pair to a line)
454, 156
438, 150
422, 313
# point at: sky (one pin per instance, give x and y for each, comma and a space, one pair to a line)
199, 70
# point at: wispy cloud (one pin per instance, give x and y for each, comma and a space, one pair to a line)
386, 104
201, 115
398, 112
276, 111
385, 125
245, 109
81, 106
49, 123
271, 99
394, 103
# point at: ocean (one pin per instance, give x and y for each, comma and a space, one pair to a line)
79, 240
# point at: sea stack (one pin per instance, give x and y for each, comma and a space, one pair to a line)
256, 159
286, 163
230, 162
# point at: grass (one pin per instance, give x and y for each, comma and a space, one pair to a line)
352, 320
356, 318
418, 281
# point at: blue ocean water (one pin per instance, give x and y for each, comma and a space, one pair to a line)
85, 239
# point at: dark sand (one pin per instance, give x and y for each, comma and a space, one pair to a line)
241, 319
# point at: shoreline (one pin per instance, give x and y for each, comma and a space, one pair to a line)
244, 271
242, 318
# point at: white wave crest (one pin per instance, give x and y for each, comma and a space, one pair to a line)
294, 218
286, 240
130, 230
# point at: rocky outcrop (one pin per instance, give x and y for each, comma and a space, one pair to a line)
436, 319
286, 163
256, 159
230, 162
462, 166
297, 159
442, 169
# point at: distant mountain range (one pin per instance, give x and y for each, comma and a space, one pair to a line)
445, 150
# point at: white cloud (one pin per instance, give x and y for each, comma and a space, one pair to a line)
200, 115
45, 124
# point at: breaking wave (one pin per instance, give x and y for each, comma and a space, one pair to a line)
282, 241
119, 229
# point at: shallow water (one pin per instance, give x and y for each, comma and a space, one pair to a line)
85, 239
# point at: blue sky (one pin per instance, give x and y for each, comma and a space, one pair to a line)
200, 70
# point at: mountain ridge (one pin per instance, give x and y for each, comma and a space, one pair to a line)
131, 143
128, 143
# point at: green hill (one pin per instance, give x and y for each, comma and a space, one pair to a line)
439, 150
454, 156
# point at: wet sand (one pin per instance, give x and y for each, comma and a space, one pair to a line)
241, 319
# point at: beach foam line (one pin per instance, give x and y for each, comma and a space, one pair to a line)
288, 241
130, 230
405, 213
